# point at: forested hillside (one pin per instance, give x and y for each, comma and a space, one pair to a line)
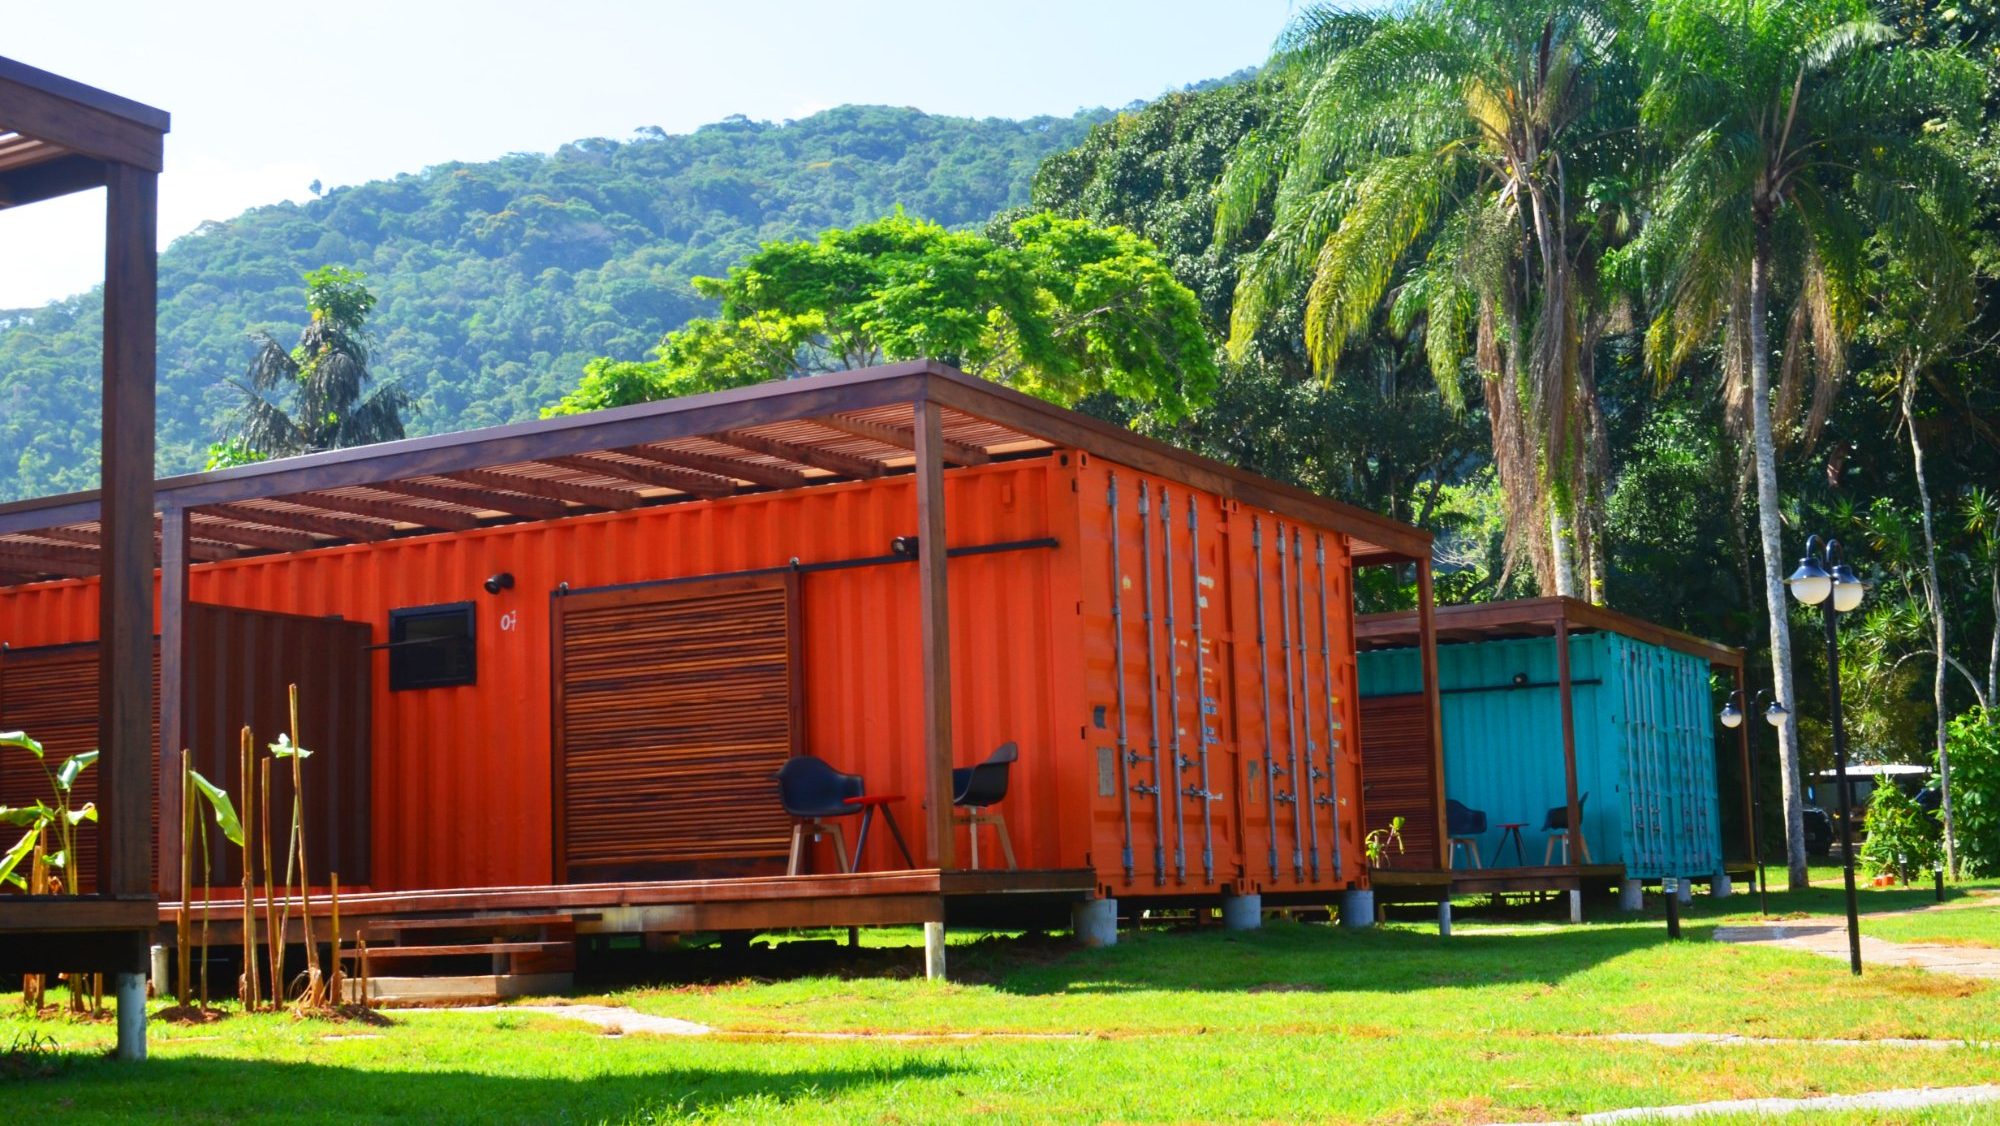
498, 280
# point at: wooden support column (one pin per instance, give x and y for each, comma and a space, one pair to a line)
174, 734
1743, 754
935, 603
125, 615
1564, 689
1427, 648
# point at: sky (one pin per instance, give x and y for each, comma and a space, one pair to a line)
267, 98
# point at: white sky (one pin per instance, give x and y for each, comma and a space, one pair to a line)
267, 97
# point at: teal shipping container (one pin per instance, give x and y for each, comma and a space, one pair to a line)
1646, 744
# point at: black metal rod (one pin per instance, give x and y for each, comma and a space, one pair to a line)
1846, 791
1673, 892
1040, 543
1153, 688
1118, 677
1180, 763
1272, 771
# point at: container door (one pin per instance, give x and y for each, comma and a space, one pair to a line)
1399, 776
674, 707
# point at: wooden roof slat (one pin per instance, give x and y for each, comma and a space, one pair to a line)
844, 464
202, 551
901, 437
547, 488
48, 558
734, 469
402, 512
478, 499
249, 535
648, 473
318, 523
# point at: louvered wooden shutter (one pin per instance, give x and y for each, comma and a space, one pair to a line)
1399, 776
675, 706
51, 693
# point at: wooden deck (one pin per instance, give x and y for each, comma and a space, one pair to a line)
682, 906
1394, 885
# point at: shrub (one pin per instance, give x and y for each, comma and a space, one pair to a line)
1902, 838
1975, 789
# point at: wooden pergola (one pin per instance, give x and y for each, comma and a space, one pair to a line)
914, 418
56, 137
1544, 617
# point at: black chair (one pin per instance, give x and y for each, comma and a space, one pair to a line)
812, 792
1463, 824
976, 789
1557, 821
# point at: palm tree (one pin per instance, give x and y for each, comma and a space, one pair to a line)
1476, 129
1798, 134
315, 396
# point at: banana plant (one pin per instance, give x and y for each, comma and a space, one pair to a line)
39, 817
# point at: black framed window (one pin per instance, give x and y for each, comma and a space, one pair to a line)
432, 647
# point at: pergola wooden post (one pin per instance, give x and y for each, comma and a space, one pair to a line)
1427, 650
935, 608
175, 542
56, 137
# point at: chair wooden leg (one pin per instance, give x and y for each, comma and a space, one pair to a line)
972, 833
839, 844
1476, 862
1548, 850
1583, 844
1006, 845
798, 847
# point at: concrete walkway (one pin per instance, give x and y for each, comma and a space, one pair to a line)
1828, 937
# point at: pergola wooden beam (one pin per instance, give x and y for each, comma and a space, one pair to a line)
772, 476
844, 464
49, 179
902, 437
478, 499
318, 523
648, 473
402, 512
590, 496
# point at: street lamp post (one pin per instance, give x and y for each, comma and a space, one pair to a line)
1828, 579
1732, 718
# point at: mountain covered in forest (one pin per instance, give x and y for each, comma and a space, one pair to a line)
498, 280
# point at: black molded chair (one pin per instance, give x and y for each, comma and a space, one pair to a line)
812, 792
976, 789
1557, 821
1463, 824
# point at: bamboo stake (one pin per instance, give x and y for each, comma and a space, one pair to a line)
251, 993
333, 977
34, 987
275, 935
363, 960
182, 930
207, 895
313, 995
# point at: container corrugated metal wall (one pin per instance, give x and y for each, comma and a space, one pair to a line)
1644, 753
462, 789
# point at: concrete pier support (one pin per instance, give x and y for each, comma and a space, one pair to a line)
1686, 892
1095, 922
157, 983
1357, 908
1631, 895
1444, 918
1243, 912
934, 951
1575, 905
1721, 887
130, 991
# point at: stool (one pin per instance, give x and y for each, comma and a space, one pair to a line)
1511, 830
1470, 844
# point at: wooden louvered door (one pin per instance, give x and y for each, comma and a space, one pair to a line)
1399, 776
51, 693
674, 705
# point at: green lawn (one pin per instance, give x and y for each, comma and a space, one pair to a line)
1298, 1021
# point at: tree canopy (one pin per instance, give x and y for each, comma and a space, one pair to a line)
1055, 307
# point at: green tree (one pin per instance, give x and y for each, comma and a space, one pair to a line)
316, 396
1474, 150
1798, 131
1975, 749
1054, 307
